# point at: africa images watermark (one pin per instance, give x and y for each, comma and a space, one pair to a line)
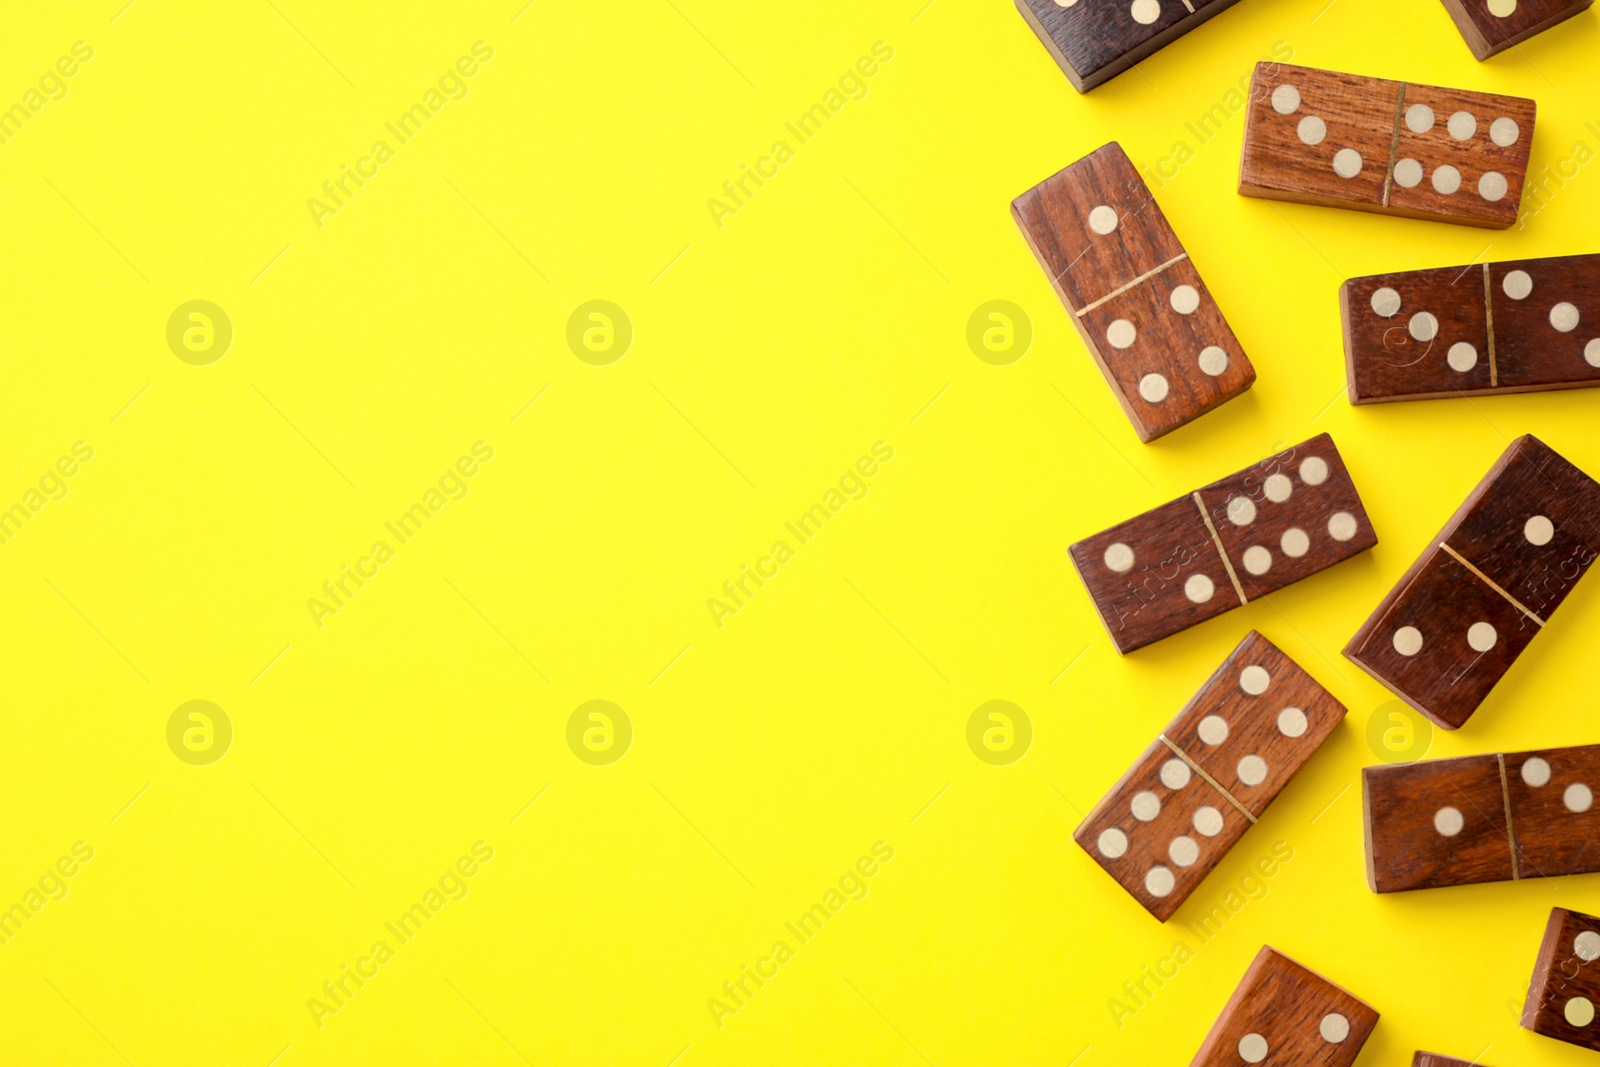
52, 886
339, 991
852, 485
452, 485
738, 191
452, 85
852, 886
1252, 887
52, 86
52, 486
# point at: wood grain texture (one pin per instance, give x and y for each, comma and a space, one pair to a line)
1193, 793
1235, 540
1458, 619
1433, 1059
1289, 1016
1095, 40
1396, 148
1493, 818
1490, 29
1424, 334
1564, 995
1138, 301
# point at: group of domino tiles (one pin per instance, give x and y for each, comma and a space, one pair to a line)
1459, 618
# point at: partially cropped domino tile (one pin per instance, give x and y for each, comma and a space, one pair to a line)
1095, 40
1194, 792
1485, 586
1485, 328
1324, 137
1286, 1015
1566, 981
1491, 818
1492, 26
1231, 542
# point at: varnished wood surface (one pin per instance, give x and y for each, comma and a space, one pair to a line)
1148, 318
1423, 334
1285, 1007
1221, 728
1344, 140
1171, 552
1433, 1059
1491, 575
1093, 41
1566, 971
1489, 34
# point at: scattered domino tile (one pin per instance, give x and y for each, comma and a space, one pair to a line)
1565, 990
1287, 1016
1095, 40
1233, 541
1149, 320
1514, 327
1202, 783
1492, 818
1492, 26
1433, 1059
1459, 618
1396, 148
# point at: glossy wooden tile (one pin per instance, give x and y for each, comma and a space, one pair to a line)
1287, 1015
1492, 26
1095, 40
1564, 995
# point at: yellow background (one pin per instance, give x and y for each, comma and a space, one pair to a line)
768, 355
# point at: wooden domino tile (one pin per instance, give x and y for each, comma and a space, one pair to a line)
1486, 585
1231, 542
1514, 327
1491, 818
1492, 26
1286, 1015
1133, 293
1209, 776
1433, 1059
1565, 990
1095, 40
1396, 148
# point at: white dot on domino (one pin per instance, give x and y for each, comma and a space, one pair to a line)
1213, 730
1146, 11
1423, 326
1252, 1048
1482, 636
1408, 640
1578, 798
1314, 469
1493, 186
1539, 530
1462, 125
1295, 542
1536, 772
1257, 560
1252, 770
1175, 774
1154, 388
1504, 132
1292, 722
1334, 1028
1587, 946
1213, 360
1278, 488
1448, 821
1113, 843
1408, 173
1386, 302
1145, 806
1199, 588
1564, 317
1121, 334
1286, 100
1159, 881
1119, 557
1347, 162
1241, 511
1446, 180
1254, 680
1462, 357
1185, 299
1591, 353
1579, 1011
1517, 285
1103, 220
1183, 851
1342, 526
1208, 821
1311, 130
1419, 118
1501, 9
